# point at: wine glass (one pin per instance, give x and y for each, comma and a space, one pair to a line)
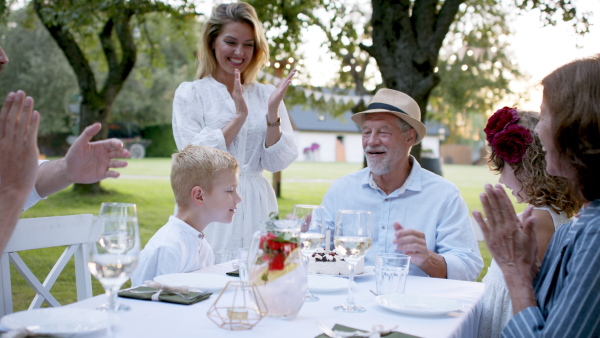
352, 241
311, 234
114, 250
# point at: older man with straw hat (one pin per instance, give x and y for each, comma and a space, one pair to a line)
413, 210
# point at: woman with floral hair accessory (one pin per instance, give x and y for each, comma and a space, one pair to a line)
517, 156
560, 298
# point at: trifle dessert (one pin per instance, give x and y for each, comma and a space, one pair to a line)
330, 263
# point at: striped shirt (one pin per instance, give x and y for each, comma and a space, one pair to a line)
567, 288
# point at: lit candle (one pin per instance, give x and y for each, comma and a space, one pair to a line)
237, 313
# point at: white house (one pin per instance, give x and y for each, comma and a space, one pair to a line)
323, 138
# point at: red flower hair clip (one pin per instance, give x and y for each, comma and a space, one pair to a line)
508, 139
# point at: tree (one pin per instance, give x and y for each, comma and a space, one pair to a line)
405, 37
77, 25
37, 67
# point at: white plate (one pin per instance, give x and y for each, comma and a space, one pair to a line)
58, 321
369, 271
199, 282
418, 305
320, 283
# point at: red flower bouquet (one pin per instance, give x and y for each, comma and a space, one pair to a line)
276, 248
508, 139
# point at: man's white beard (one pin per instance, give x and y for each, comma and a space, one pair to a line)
379, 167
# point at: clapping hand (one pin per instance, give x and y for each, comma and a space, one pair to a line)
241, 109
18, 144
511, 241
277, 95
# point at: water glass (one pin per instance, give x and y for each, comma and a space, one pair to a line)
391, 270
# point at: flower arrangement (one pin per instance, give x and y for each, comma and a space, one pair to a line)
278, 247
508, 139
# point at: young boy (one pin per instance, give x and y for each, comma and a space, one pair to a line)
204, 181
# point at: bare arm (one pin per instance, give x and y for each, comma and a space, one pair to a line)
413, 244
513, 244
544, 229
274, 133
85, 162
19, 153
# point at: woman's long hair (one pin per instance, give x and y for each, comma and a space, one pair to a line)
538, 187
572, 96
220, 16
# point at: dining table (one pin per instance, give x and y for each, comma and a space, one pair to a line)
161, 319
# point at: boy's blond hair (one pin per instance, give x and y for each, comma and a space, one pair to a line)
198, 166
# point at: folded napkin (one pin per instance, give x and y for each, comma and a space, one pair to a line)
234, 273
393, 334
146, 293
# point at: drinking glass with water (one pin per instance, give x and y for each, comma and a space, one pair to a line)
391, 270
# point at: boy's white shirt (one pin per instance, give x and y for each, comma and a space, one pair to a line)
176, 247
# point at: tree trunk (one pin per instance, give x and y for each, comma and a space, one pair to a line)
96, 104
407, 37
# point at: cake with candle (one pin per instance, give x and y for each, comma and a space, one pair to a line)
327, 262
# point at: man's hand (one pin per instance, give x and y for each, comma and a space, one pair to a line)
90, 162
18, 144
18, 159
86, 162
412, 243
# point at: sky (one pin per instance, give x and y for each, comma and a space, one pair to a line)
539, 50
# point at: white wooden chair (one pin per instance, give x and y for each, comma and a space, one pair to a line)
46, 232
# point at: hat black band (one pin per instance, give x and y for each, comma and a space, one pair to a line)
385, 106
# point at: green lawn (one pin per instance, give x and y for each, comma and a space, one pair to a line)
302, 183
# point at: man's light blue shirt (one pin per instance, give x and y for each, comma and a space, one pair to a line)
425, 202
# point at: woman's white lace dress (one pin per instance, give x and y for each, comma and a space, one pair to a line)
200, 110
497, 307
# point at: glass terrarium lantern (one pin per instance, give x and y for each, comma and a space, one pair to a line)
239, 306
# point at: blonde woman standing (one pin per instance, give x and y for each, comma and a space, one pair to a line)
226, 108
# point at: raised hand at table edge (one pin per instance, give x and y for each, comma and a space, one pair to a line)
18, 144
512, 244
511, 241
18, 159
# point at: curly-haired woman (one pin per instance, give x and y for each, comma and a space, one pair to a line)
517, 155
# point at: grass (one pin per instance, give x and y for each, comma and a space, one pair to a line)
154, 199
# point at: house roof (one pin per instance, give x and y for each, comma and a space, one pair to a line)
309, 120
304, 119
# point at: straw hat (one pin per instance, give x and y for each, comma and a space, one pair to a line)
397, 103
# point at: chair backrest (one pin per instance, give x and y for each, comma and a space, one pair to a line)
46, 232
477, 230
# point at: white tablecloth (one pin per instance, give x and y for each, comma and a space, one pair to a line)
156, 319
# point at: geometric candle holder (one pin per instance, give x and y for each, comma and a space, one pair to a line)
239, 306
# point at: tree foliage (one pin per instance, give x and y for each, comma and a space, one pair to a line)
406, 37
107, 28
38, 67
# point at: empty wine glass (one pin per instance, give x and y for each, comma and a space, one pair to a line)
114, 249
352, 241
312, 234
